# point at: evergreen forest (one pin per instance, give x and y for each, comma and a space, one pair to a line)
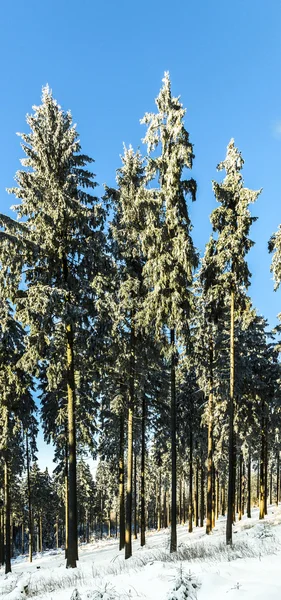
129, 345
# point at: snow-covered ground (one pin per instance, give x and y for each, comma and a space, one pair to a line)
251, 569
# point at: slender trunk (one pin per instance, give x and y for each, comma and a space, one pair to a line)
265, 466
180, 501
213, 496
22, 537
159, 508
202, 495
173, 545
277, 477
41, 533
249, 486
57, 531
183, 504
240, 486
190, 512
72, 549
258, 481
217, 495
210, 440
135, 496
231, 480
196, 499
165, 524
2, 535
270, 484
243, 487
66, 497
128, 528
223, 507
30, 519
262, 467
7, 509
121, 484
12, 535
143, 422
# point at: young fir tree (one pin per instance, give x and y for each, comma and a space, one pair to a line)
60, 244
232, 221
167, 244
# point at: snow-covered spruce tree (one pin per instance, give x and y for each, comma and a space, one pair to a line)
167, 244
17, 408
60, 243
232, 221
125, 233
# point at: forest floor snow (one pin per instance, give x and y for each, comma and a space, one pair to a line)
250, 569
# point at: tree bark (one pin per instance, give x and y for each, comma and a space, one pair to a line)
30, 519
143, 424
7, 512
249, 486
202, 495
121, 484
231, 479
72, 549
190, 511
159, 507
128, 527
240, 486
196, 499
210, 440
135, 496
277, 477
173, 545
66, 497
262, 466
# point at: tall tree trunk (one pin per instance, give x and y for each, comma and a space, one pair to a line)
210, 439
180, 501
231, 480
41, 533
135, 496
277, 477
66, 505
7, 509
121, 484
190, 511
217, 495
249, 486
22, 538
57, 531
258, 481
159, 507
143, 423
72, 550
2, 536
183, 503
265, 465
196, 499
30, 518
240, 486
202, 494
270, 484
128, 528
213, 496
223, 507
173, 545
262, 466
243, 487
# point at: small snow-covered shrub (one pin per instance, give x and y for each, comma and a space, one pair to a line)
75, 595
185, 586
107, 592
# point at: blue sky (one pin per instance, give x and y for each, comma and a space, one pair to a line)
105, 61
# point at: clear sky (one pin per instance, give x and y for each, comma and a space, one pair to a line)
105, 61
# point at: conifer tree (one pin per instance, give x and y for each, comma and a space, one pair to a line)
232, 221
167, 244
59, 243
